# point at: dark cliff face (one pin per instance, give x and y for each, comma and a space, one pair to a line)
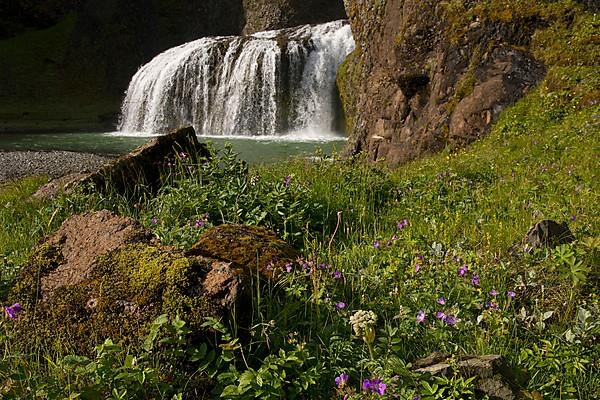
430, 74
264, 15
65, 64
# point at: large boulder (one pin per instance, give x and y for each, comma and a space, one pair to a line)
105, 276
149, 163
423, 78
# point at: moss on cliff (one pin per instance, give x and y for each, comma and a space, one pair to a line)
348, 78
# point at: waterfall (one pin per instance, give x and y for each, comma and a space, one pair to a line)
267, 84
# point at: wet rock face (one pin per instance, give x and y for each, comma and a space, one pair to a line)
105, 276
414, 86
262, 15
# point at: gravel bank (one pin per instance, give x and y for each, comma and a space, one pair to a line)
20, 164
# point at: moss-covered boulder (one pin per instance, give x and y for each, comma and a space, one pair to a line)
250, 248
104, 276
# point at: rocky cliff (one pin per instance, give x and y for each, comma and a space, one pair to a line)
428, 74
65, 64
262, 15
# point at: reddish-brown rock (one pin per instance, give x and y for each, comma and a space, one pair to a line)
420, 81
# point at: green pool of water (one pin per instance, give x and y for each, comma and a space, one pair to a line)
251, 150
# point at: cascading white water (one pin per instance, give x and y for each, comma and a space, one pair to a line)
270, 83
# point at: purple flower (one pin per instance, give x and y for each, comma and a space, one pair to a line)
417, 267
420, 316
416, 398
420, 258
338, 275
456, 259
389, 243
154, 221
270, 265
573, 217
206, 216
493, 305
376, 244
288, 267
287, 180
494, 293
463, 270
475, 279
441, 300
324, 266
340, 305
341, 380
394, 238
402, 224
440, 315
199, 223
510, 293
450, 320
375, 385
13, 311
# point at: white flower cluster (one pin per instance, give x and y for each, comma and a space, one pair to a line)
363, 322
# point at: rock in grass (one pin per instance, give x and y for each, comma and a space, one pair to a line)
546, 233
250, 248
104, 276
494, 378
149, 163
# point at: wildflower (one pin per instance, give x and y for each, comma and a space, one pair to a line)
420, 258
441, 300
417, 267
324, 266
363, 324
450, 320
493, 305
270, 265
573, 217
199, 223
494, 293
463, 270
154, 221
440, 315
416, 398
340, 305
456, 259
288, 267
389, 243
420, 316
402, 224
206, 216
338, 275
341, 380
376, 244
287, 180
375, 385
12, 311
510, 293
475, 279
394, 238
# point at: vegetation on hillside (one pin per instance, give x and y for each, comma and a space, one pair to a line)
397, 263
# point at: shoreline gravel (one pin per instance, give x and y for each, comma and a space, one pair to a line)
16, 165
